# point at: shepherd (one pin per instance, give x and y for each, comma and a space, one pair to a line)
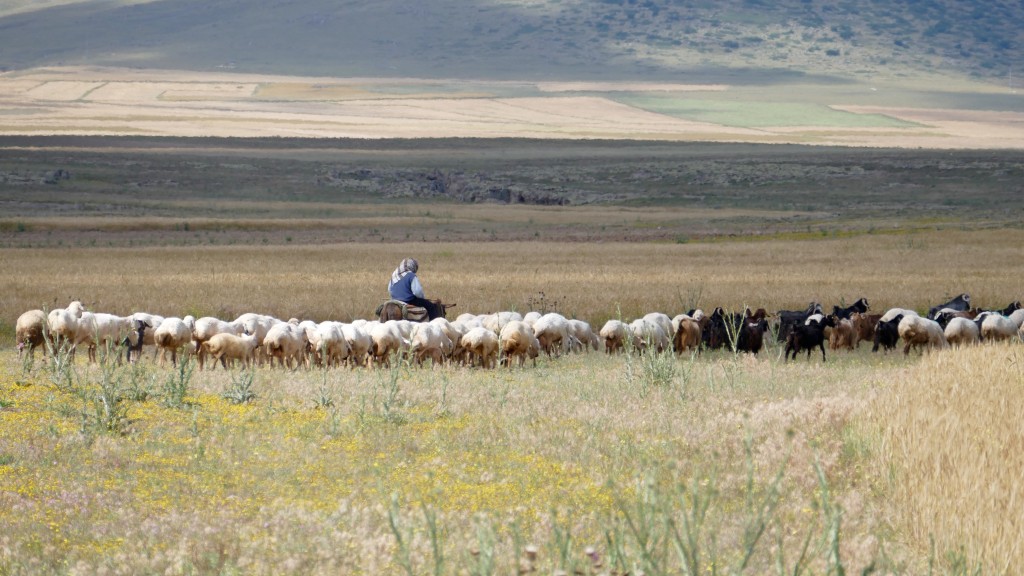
405, 287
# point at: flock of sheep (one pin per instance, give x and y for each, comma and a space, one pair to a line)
504, 337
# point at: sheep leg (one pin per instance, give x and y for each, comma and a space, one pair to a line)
822, 346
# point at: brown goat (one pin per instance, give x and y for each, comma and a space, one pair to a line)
687, 337
864, 326
843, 335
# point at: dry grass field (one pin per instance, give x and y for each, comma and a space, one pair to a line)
583, 464
593, 281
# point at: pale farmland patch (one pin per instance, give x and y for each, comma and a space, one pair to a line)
221, 104
147, 92
130, 92
970, 128
63, 90
210, 91
628, 87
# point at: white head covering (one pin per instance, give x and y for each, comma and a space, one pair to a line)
408, 265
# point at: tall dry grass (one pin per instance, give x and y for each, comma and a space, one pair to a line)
562, 452
953, 445
344, 471
591, 281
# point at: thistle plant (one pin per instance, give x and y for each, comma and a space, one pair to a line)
240, 390
175, 386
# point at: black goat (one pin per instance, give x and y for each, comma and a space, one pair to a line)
860, 306
751, 336
887, 334
140, 331
715, 333
1013, 307
807, 337
790, 318
960, 304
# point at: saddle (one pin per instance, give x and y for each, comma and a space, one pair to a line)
410, 312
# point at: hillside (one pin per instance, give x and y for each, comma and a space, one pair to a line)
734, 41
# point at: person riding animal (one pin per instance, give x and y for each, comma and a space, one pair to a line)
406, 287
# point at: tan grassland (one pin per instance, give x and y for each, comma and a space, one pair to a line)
94, 101
952, 426
593, 281
583, 464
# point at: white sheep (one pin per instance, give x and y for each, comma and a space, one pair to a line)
648, 334
207, 327
387, 339
466, 324
406, 328
481, 345
453, 332
920, 333
465, 317
614, 334
995, 327
287, 343
172, 334
531, 317
584, 335
894, 312
430, 341
30, 331
359, 343
258, 324
552, 331
62, 324
100, 329
311, 335
662, 320
961, 332
328, 344
226, 346
517, 340
1018, 317
495, 322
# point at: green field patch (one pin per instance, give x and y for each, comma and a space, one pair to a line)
759, 114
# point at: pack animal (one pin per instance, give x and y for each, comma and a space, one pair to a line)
395, 310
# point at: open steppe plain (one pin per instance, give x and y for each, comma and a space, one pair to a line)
590, 464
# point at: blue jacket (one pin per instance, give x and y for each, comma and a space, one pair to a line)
407, 288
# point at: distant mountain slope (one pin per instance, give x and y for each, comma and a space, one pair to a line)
526, 39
